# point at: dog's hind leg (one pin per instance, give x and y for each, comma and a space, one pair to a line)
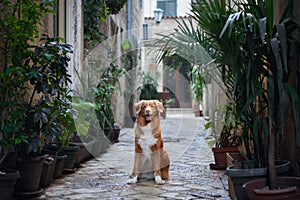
157, 167
165, 165
165, 173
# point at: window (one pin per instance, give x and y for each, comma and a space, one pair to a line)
169, 7
146, 31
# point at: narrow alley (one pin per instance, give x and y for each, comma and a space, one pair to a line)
190, 176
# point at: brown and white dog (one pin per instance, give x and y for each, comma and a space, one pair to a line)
150, 155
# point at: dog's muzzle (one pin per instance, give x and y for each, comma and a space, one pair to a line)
148, 115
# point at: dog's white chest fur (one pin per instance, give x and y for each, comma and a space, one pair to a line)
147, 140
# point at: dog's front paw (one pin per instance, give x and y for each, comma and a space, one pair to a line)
132, 180
159, 181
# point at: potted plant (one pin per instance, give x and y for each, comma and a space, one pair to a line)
88, 131
197, 86
15, 65
107, 85
148, 89
85, 136
59, 135
253, 56
48, 76
230, 138
47, 171
10, 137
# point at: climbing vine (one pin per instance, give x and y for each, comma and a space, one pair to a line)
95, 13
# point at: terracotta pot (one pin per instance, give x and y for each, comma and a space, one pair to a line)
289, 189
221, 157
240, 176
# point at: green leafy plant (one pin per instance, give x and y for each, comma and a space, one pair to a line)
95, 13
254, 59
19, 22
83, 107
197, 83
114, 6
231, 126
107, 84
84, 115
148, 89
48, 110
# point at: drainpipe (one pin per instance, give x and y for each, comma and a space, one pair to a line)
129, 19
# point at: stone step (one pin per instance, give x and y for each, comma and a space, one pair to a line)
180, 111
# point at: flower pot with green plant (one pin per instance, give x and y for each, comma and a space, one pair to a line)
148, 89
197, 87
230, 138
107, 85
46, 108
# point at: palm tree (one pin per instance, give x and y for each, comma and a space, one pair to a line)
252, 55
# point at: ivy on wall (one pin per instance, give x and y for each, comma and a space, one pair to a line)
114, 6
95, 13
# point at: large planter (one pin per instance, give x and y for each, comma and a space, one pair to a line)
240, 176
83, 154
8, 181
71, 152
59, 165
289, 189
30, 169
47, 172
112, 134
221, 157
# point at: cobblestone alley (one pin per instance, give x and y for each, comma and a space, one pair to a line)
190, 176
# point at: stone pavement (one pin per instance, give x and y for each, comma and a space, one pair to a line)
190, 175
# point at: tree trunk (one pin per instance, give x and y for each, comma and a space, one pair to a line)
271, 158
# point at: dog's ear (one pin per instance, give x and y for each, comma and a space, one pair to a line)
138, 107
159, 105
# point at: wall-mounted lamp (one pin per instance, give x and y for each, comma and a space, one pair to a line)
158, 13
